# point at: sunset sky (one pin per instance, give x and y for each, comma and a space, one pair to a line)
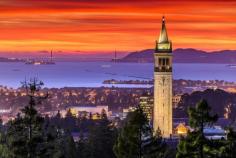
106, 25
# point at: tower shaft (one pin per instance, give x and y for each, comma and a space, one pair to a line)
162, 112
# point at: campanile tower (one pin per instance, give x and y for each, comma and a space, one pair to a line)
162, 114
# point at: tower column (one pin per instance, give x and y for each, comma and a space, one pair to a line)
162, 112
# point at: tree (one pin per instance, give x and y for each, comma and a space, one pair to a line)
58, 143
4, 152
101, 138
70, 148
25, 133
99, 141
155, 147
228, 149
70, 121
83, 148
195, 144
135, 138
29, 135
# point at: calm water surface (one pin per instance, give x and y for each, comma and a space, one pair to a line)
92, 74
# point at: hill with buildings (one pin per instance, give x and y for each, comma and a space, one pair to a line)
225, 107
185, 56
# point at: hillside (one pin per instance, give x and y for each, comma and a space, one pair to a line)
214, 99
185, 56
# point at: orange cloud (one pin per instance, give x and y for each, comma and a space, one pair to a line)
105, 25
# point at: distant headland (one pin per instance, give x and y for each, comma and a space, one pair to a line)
2, 59
184, 56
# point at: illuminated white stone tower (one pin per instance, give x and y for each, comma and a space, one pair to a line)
162, 114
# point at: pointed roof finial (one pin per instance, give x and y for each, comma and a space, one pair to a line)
163, 38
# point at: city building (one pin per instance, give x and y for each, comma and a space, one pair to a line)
162, 118
86, 110
146, 103
5, 111
126, 111
176, 99
181, 129
214, 133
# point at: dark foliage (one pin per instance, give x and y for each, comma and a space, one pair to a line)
136, 139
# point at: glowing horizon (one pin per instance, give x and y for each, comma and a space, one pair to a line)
104, 25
